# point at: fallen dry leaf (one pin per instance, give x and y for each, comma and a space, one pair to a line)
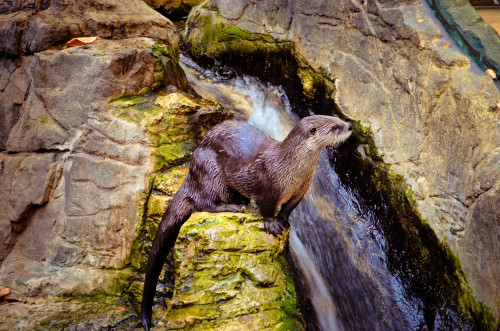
15, 258
80, 41
498, 105
121, 309
4, 292
491, 73
422, 20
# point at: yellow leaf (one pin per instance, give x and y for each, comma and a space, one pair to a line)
5, 291
80, 41
422, 20
121, 309
491, 73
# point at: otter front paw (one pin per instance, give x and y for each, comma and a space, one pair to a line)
273, 226
284, 222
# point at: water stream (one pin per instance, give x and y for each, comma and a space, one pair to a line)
365, 267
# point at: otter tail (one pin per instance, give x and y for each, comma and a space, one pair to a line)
177, 213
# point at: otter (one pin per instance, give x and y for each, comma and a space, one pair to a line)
234, 163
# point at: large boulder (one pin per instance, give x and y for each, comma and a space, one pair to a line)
431, 112
73, 174
230, 274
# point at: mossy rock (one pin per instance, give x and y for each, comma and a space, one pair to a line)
84, 312
209, 34
174, 123
230, 274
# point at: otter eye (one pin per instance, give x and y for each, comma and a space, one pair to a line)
312, 131
335, 128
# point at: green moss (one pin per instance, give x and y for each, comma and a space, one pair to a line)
121, 282
46, 120
217, 36
230, 274
102, 47
128, 101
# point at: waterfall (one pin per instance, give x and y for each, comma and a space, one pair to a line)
351, 249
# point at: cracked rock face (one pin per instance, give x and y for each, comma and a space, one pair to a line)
431, 112
73, 174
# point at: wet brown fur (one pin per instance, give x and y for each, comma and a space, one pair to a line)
236, 162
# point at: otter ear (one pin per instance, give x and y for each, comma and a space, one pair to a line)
312, 131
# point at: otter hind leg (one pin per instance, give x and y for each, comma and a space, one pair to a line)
210, 191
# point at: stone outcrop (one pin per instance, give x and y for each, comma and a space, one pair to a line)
73, 174
433, 118
230, 274
27, 27
77, 166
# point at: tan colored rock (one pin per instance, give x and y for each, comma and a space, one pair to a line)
29, 28
27, 182
57, 104
79, 193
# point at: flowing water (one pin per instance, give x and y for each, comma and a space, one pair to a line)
365, 267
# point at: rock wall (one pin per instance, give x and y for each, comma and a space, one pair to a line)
72, 174
28, 26
433, 117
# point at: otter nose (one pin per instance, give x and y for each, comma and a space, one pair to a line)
349, 127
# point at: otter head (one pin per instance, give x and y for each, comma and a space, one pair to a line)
321, 131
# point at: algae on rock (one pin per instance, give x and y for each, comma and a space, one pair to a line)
230, 274
174, 123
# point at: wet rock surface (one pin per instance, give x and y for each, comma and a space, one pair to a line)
432, 114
